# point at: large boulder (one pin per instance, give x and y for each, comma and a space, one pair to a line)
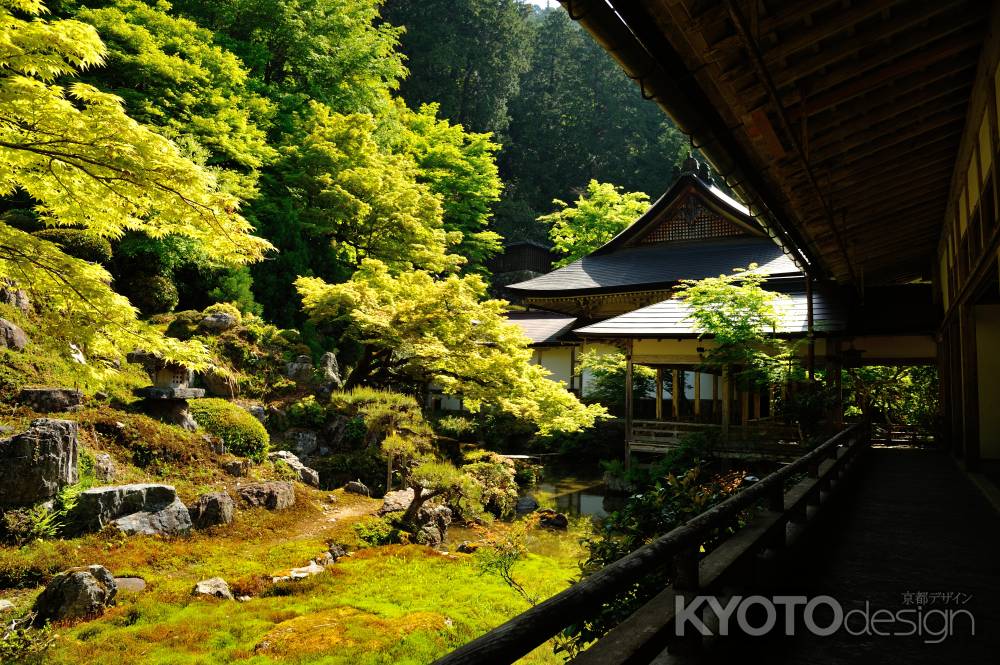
215, 587
218, 322
300, 370
37, 463
330, 370
220, 384
306, 475
50, 399
171, 411
526, 504
433, 522
11, 336
212, 509
273, 495
78, 593
396, 501
357, 487
142, 508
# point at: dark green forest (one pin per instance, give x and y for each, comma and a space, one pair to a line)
408, 132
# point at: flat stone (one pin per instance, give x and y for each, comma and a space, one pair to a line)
396, 501
6, 605
357, 487
133, 584
154, 392
50, 399
306, 571
167, 521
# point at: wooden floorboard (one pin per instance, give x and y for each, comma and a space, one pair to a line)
912, 522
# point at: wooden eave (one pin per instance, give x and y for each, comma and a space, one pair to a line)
839, 121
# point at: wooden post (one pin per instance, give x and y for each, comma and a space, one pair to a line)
715, 398
744, 408
697, 395
659, 393
756, 404
628, 404
726, 394
811, 351
676, 390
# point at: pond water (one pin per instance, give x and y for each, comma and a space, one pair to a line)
572, 494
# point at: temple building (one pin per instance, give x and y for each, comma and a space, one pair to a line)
619, 298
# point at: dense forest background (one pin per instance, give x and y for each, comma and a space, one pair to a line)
421, 133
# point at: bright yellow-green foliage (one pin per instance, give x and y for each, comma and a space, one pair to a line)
445, 331
365, 199
458, 166
86, 164
242, 433
601, 213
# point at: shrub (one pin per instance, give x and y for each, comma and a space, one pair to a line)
79, 244
456, 426
185, 324
23, 525
242, 434
306, 412
152, 294
375, 531
494, 476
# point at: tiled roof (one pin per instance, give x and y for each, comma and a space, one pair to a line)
542, 327
651, 265
669, 318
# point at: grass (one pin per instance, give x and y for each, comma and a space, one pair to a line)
392, 604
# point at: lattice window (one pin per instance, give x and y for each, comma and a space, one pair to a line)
691, 221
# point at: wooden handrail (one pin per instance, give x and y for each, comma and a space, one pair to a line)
521, 634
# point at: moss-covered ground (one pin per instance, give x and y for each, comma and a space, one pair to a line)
391, 604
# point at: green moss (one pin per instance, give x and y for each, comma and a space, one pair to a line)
242, 433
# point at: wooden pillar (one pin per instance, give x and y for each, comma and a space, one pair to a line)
628, 404
716, 415
811, 351
970, 388
726, 394
756, 404
744, 407
697, 395
659, 393
676, 390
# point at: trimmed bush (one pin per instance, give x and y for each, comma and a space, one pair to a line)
152, 294
242, 434
79, 243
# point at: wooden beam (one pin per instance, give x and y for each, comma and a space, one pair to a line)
850, 83
830, 26
911, 133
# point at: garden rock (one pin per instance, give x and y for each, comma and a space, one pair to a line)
304, 442
104, 467
143, 508
306, 571
11, 336
337, 551
215, 587
77, 593
357, 487
306, 475
396, 501
6, 605
218, 322
37, 463
258, 412
212, 509
550, 519
50, 399
330, 370
300, 370
526, 504
220, 384
16, 298
273, 495
132, 584
468, 547
239, 468
433, 522
170, 411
